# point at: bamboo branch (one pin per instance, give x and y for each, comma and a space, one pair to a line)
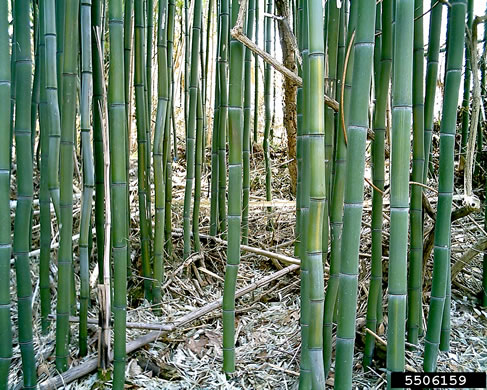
91, 364
238, 34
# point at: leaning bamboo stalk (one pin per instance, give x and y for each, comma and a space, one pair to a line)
353, 204
5, 241
445, 188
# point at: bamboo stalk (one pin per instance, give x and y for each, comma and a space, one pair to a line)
118, 186
445, 188
235, 131
357, 134
5, 241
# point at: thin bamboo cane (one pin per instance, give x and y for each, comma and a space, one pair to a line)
431, 76
447, 138
414, 303
353, 198
60, 21
98, 99
167, 137
191, 128
88, 171
378, 160
118, 187
199, 146
467, 84
223, 113
53, 111
214, 184
143, 147
44, 197
256, 74
235, 117
68, 118
246, 125
5, 223
267, 104
160, 131
336, 209
400, 158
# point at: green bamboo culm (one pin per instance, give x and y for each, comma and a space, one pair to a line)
336, 205
88, 172
305, 362
44, 197
235, 131
317, 189
246, 129
256, 74
214, 184
5, 223
431, 76
68, 119
167, 136
467, 84
158, 149
456, 40
143, 146
191, 127
414, 303
98, 101
198, 157
148, 62
60, 21
378, 160
400, 156
354, 192
128, 30
118, 187
21, 243
223, 113
267, 103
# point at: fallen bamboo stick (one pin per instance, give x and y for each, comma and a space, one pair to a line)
91, 364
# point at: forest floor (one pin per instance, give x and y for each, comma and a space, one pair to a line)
267, 319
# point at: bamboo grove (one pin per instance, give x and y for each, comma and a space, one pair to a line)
81, 79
